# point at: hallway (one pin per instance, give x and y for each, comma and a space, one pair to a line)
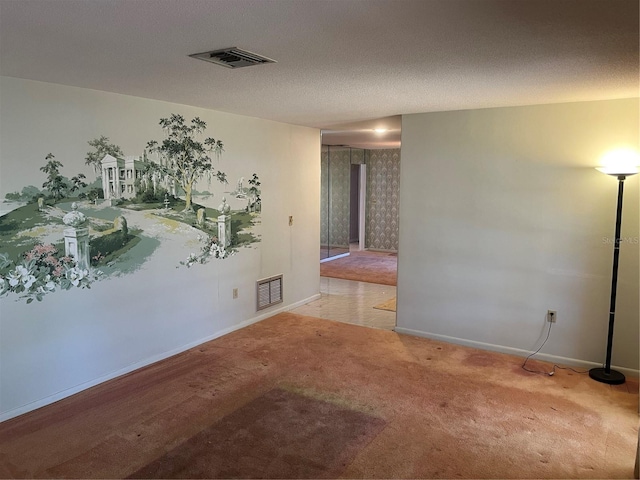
352, 302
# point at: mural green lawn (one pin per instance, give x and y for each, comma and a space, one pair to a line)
20, 228
240, 220
27, 226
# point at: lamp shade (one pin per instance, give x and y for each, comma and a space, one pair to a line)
616, 171
620, 162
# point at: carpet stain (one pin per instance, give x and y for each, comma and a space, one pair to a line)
481, 359
280, 434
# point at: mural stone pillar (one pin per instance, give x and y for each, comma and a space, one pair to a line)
224, 224
224, 230
76, 238
201, 216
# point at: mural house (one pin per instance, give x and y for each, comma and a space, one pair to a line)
122, 177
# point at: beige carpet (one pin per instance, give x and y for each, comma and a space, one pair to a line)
389, 305
364, 266
235, 447
300, 397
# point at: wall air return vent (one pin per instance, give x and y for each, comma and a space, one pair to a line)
269, 292
232, 58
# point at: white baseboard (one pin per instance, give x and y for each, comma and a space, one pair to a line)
143, 363
513, 351
335, 257
310, 299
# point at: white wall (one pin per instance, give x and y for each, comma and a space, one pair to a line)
74, 339
502, 216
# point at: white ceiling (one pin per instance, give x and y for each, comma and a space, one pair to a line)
340, 62
363, 135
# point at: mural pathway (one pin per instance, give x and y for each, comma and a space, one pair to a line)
161, 237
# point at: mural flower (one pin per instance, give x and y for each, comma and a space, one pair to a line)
211, 249
76, 275
49, 285
45, 256
41, 272
21, 276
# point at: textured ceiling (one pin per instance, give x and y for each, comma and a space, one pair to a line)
339, 61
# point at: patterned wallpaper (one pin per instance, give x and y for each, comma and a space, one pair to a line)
383, 184
357, 156
383, 192
324, 196
334, 205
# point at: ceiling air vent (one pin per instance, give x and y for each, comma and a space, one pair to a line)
232, 58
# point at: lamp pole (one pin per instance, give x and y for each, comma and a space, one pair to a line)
606, 375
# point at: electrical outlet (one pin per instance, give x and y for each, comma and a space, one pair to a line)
290, 220
235, 293
551, 316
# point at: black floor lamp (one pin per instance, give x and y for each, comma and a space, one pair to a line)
605, 374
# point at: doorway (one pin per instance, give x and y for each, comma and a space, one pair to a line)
357, 284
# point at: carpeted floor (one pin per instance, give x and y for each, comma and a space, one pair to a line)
297, 428
363, 266
300, 397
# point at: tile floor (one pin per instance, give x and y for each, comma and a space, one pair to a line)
352, 302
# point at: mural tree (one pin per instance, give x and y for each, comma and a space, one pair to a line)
101, 147
78, 182
183, 158
254, 190
55, 183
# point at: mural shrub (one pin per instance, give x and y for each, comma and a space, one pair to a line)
105, 248
95, 193
153, 195
28, 194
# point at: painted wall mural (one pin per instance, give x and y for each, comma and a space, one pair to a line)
72, 232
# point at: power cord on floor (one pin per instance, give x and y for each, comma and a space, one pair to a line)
553, 370
583, 372
524, 364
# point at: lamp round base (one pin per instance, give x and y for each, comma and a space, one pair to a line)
612, 378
